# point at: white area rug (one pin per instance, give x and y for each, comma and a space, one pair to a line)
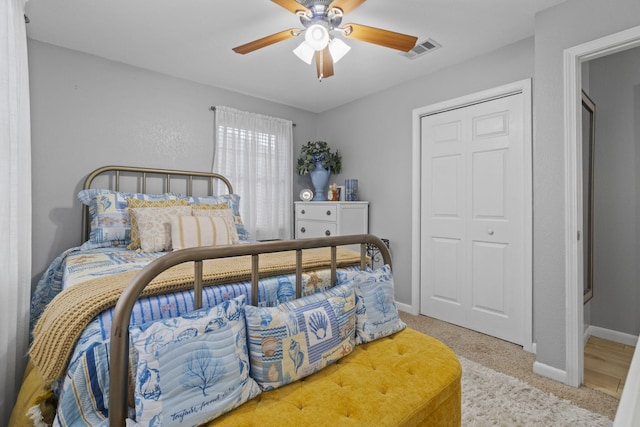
490, 398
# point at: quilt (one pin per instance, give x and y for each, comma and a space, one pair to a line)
82, 391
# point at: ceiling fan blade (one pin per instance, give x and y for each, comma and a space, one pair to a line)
347, 5
266, 41
324, 63
380, 37
291, 5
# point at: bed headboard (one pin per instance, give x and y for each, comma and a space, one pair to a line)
190, 183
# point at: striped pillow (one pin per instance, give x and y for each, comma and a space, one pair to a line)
194, 231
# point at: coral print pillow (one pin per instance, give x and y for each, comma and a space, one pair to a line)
300, 337
192, 368
376, 311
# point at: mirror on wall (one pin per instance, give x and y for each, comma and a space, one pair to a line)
588, 157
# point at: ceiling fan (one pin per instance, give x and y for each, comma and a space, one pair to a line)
320, 18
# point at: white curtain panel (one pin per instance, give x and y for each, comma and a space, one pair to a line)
255, 152
15, 209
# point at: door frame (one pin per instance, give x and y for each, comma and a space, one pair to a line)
519, 87
574, 317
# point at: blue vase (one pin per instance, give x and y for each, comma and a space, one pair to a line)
320, 180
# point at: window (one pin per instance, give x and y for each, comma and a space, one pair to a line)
255, 153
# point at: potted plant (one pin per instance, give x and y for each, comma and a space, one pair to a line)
317, 160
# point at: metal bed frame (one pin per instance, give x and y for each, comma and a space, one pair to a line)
115, 172
119, 352
118, 373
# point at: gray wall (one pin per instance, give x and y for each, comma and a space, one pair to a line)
614, 87
88, 112
374, 135
556, 29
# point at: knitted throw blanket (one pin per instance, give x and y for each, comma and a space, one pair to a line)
64, 319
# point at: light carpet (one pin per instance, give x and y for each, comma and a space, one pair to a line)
490, 398
509, 359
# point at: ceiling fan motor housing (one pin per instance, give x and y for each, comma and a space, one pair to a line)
319, 12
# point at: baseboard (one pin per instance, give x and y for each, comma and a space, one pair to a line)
608, 334
407, 308
550, 372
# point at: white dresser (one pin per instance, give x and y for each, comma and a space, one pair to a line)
322, 219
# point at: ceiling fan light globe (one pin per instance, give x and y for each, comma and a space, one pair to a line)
338, 49
304, 52
317, 36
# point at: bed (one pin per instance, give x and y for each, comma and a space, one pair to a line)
103, 310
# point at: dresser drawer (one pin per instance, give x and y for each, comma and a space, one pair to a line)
322, 212
310, 229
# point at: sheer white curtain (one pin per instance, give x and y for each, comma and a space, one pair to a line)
255, 152
15, 209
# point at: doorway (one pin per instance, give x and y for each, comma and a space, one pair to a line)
574, 57
467, 276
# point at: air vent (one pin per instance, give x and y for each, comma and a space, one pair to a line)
422, 48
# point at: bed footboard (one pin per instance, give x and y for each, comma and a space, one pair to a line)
118, 376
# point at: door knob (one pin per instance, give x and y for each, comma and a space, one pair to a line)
302, 230
327, 233
490, 231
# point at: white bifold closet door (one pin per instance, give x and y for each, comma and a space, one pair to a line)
472, 224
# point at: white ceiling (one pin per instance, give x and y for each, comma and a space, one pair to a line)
192, 39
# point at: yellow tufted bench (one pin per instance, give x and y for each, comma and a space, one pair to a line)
406, 379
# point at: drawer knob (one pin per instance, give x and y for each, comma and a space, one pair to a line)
328, 212
302, 230
302, 212
327, 233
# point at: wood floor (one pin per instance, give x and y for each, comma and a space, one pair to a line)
606, 364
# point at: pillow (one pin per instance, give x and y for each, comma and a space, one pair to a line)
210, 206
137, 203
108, 217
193, 231
193, 368
300, 337
376, 311
225, 213
154, 225
232, 201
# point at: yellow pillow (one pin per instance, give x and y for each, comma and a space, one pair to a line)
136, 203
224, 205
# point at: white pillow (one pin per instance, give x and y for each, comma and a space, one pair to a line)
200, 211
154, 226
194, 231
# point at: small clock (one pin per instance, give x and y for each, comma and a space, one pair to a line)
306, 195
